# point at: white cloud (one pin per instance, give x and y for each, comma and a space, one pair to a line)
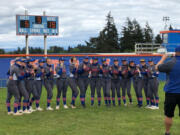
81, 19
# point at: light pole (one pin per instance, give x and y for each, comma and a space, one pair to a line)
166, 19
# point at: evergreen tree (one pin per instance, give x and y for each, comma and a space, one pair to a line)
158, 39
131, 34
148, 34
107, 41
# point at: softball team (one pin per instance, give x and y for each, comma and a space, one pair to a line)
27, 76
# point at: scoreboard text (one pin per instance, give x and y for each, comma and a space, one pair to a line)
37, 25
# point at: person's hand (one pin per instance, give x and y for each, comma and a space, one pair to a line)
84, 66
10, 78
76, 64
120, 68
163, 58
42, 70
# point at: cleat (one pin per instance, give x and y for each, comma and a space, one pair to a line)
125, 105
131, 103
49, 109
31, 109
9, 113
57, 107
66, 107
17, 114
148, 107
73, 107
154, 108
39, 109
20, 111
27, 112
167, 134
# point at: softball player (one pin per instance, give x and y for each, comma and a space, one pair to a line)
12, 89
83, 79
49, 82
144, 80
153, 84
116, 82
135, 73
30, 83
126, 81
39, 78
73, 68
61, 83
95, 83
106, 81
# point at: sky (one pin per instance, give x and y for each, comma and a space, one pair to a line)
81, 19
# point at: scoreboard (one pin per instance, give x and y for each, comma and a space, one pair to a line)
37, 25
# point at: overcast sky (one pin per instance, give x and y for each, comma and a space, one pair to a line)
82, 19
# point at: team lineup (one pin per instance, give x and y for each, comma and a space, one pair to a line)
26, 78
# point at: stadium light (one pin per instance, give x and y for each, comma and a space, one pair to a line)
166, 19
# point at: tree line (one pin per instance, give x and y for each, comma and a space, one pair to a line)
107, 41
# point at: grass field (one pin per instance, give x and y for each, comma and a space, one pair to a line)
89, 121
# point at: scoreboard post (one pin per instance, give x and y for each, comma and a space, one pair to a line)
37, 25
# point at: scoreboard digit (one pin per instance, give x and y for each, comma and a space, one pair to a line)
24, 23
51, 24
38, 19
37, 25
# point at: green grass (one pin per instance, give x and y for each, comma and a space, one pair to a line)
89, 121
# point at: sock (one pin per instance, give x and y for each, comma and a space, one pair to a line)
15, 107
157, 101
119, 100
28, 105
140, 100
64, 100
48, 102
147, 100
19, 105
57, 101
37, 103
152, 102
109, 100
92, 100
113, 100
124, 99
8, 106
130, 99
73, 100
24, 104
105, 100
32, 100
99, 100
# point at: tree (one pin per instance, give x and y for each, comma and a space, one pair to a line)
2, 51
131, 33
107, 41
148, 33
55, 49
170, 27
158, 39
